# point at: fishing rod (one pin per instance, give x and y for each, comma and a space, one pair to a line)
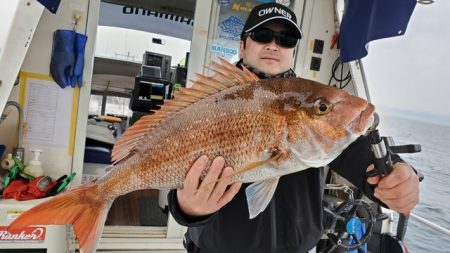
383, 164
343, 223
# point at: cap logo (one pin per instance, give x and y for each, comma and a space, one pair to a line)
271, 10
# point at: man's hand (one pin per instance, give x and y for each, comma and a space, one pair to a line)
208, 196
398, 190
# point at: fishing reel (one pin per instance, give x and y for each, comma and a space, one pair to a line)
349, 224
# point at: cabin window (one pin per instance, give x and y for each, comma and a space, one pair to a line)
95, 105
117, 106
129, 45
107, 104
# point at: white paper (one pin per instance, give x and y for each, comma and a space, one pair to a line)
47, 113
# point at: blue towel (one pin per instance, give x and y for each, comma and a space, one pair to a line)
51, 5
367, 20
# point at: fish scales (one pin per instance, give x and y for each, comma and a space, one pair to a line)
226, 124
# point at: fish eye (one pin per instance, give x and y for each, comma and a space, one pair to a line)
322, 107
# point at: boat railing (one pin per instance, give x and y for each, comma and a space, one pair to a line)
430, 224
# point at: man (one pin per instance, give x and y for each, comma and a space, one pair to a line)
217, 215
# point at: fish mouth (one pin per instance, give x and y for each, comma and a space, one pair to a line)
364, 120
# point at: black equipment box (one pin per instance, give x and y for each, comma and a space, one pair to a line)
149, 92
158, 60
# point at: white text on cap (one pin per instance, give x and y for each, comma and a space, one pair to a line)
274, 9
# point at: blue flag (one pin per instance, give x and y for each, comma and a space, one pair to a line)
367, 20
51, 5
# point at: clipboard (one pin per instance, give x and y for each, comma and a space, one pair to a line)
50, 112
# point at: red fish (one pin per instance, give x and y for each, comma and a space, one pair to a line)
263, 128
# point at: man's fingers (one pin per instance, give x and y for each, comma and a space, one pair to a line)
404, 204
206, 197
221, 185
397, 192
400, 173
210, 179
372, 180
193, 176
400, 189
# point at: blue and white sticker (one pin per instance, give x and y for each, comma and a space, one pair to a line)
223, 51
232, 25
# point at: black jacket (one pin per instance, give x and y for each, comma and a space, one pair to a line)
296, 206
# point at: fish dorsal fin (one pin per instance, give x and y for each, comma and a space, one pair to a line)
226, 75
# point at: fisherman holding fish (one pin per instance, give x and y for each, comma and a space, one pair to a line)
216, 213
261, 125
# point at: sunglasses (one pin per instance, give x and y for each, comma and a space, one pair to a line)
266, 36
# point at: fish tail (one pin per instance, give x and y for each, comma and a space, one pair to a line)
83, 207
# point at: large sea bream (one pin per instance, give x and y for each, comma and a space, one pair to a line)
264, 129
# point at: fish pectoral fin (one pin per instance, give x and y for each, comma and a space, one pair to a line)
277, 156
259, 195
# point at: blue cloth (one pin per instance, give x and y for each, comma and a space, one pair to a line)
51, 5
367, 20
63, 57
80, 44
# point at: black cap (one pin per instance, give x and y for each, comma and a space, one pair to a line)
263, 13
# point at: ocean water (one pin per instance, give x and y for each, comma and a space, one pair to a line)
434, 163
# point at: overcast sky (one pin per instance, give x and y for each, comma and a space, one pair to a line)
412, 72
